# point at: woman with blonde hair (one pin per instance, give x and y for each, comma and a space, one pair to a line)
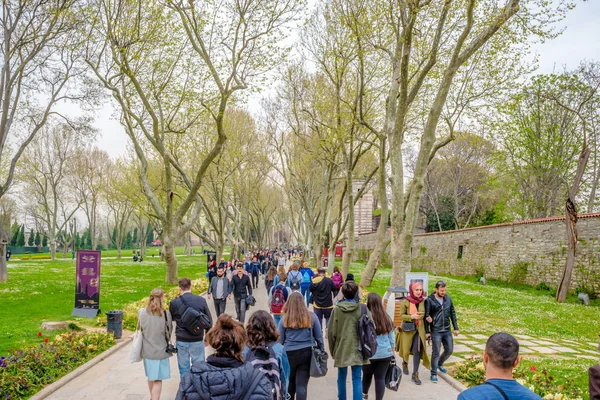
294, 280
156, 326
280, 270
299, 329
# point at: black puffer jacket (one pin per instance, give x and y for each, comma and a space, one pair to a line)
221, 378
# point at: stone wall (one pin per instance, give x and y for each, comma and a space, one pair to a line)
526, 252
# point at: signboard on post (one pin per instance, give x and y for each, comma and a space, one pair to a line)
87, 284
422, 277
210, 256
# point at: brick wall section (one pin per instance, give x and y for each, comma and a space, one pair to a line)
528, 251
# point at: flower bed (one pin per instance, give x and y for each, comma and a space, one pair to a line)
130, 311
472, 373
24, 372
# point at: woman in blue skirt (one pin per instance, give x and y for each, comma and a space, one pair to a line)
156, 326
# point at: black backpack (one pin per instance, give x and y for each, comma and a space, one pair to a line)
194, 321
367, 335
295, 280
264, 359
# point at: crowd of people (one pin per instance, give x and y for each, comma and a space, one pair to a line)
270, 356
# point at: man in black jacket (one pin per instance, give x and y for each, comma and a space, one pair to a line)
321, 295
241, 288
189, 346
439, 312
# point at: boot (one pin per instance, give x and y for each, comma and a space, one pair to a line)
405, 368
415, 378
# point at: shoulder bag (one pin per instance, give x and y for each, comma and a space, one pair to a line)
136, 345
318, 359
393, 376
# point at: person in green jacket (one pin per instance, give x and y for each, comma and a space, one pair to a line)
412, 338
342, 335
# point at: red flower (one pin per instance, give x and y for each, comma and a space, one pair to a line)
40, 334
533, 368
46, 340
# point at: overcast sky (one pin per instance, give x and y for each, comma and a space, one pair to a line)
580, 41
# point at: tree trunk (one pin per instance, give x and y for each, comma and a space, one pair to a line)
349, 250
143, 247
52, 243
171, 260
380, 242
187, 241
3, 266
119, 251
220, 250
571, 225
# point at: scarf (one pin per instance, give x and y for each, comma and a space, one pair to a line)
413, 300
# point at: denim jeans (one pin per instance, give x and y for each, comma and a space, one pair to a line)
187, 351
356, 382
305, 293
240, 308
323, 313
277, 318
437, 339
220, 305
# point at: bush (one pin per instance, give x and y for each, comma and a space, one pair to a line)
130, 311
472, 373
518, 272
543, 286
24, 372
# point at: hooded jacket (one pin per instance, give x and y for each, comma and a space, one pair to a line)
342, 334
321, 292
221, 378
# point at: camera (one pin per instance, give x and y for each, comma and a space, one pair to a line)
171, 349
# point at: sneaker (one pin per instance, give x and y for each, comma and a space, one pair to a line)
442, 369
433, 379
405, 368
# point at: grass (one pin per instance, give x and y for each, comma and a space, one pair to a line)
150, 252
39, 291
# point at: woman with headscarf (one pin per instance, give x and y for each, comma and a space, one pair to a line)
411, 339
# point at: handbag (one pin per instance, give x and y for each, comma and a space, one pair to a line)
250, 300
318, 360
408, 326
136, 346
393, 376
170, 348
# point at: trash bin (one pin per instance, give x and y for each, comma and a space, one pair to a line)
114, 323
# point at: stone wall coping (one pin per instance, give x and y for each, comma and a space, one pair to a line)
529, 221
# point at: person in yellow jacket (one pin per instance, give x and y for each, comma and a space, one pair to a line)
411, 339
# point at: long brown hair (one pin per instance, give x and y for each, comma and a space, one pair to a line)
271, 274
154, 306
383, 323
261, 329
296, 313
228, 337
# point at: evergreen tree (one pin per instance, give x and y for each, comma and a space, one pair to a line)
128, 241
135, 236
45, 241
100, 246
88, 240
15, 237
77, 240
114, 237
150, 235
38, 239
31, 237
21, 238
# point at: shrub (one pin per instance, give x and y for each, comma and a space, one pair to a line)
130, 311
24, 372
479, 272
543, 286
472, 373
518, 272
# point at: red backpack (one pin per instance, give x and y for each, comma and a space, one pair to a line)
278, 299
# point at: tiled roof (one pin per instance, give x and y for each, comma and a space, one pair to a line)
529, 221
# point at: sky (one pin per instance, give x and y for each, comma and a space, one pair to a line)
580, 41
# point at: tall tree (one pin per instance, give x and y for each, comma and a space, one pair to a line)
38, 58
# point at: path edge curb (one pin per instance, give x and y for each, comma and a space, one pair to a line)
453, 382
53, 387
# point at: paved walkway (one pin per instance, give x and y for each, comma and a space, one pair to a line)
116, 378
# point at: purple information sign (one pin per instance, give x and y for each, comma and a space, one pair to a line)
87, 287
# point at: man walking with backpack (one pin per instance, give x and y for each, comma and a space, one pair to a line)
294, 278
277, 298
193, 319
307, 275
350, 330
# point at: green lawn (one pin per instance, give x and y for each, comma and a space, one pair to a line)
150, 252
39, 291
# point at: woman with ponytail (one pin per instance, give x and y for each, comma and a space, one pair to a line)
224, 376
156, 326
